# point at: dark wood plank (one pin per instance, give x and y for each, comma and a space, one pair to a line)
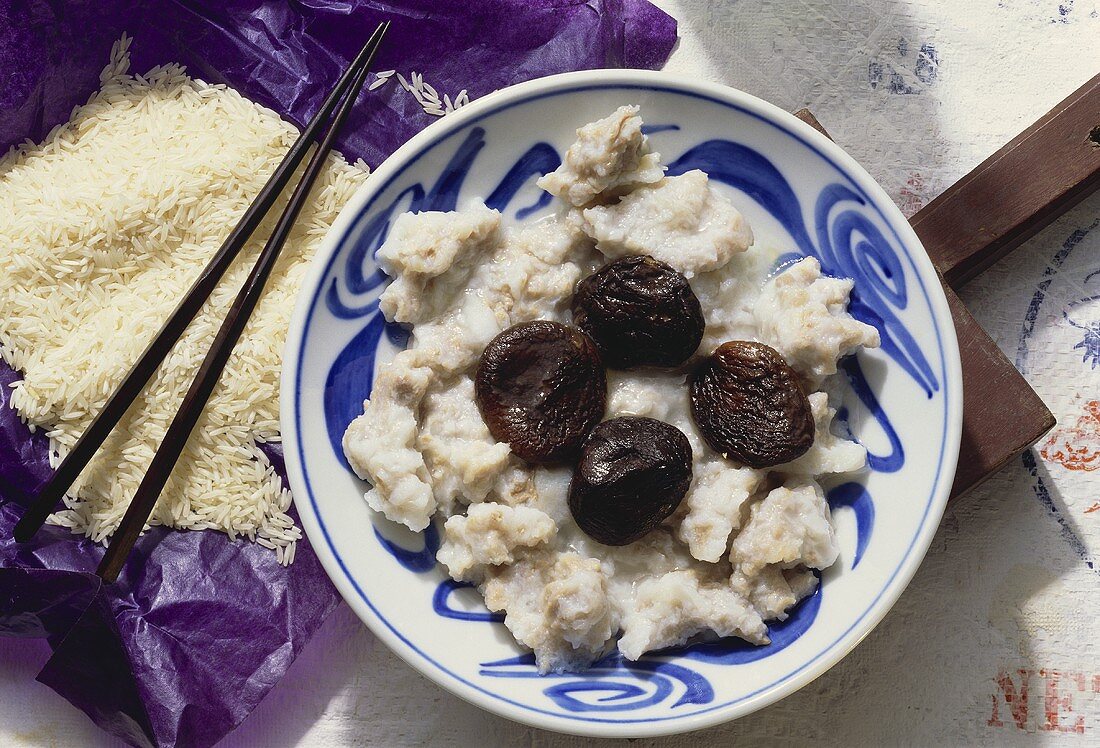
808, 117
995, 430
1041, 173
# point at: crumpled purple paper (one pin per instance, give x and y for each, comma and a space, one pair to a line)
287, 55
198, 629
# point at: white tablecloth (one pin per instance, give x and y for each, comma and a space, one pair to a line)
997, 640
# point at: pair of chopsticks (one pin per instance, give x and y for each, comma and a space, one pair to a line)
346, 90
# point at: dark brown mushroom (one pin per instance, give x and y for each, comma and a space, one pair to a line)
541, 388
640, 312
749, 405
632, 474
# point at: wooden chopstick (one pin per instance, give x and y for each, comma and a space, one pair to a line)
141, 506
350, 84
91, 440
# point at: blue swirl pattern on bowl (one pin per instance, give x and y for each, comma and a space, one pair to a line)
880, 286
843, 238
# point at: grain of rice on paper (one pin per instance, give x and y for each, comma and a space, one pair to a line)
103, 228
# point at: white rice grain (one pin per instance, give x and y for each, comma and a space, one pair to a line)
103, 228
428, 97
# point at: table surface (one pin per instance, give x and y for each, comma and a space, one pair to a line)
997, 639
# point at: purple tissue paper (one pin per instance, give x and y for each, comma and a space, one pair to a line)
199, 628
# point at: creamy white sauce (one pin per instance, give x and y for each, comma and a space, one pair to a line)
736, 551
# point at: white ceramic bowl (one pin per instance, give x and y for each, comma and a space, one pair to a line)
903, 401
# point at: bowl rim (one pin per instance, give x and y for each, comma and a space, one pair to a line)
842, 646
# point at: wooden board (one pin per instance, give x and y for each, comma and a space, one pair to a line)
1041, 173
994, 429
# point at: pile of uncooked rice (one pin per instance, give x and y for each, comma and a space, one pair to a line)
103, 228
